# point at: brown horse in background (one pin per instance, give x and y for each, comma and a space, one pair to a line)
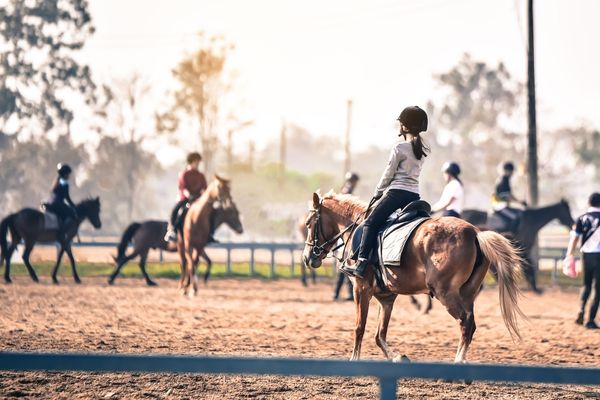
444, 257
148, 235
196, 230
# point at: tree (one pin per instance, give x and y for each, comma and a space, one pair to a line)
474, 122
201, 86
37, 68
108, 178
121, 116
28, 169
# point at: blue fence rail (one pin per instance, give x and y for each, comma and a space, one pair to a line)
386, 372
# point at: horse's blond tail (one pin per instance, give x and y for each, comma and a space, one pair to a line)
505, 260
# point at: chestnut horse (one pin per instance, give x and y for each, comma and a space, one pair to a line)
196, 230
444, 257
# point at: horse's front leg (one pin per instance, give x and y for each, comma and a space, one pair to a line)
72, 260
362, 296
386, 304
61, 251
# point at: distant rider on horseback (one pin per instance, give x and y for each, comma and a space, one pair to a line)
191, 184
452, 200
60, 202
503, 196
399, 184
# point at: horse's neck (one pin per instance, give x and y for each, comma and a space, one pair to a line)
344, 216
539, 217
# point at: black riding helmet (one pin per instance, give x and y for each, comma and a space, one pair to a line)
451, 168
351, 176
64, 170
414, 119
508, 166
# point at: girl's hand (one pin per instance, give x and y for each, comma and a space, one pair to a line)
569, 267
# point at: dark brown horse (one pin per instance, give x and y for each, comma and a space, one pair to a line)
531, 222
444, 257
29, 225
196, 230
150, 235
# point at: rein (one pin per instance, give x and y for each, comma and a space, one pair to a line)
317, 250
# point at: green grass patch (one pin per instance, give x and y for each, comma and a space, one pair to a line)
239, 270
166, 270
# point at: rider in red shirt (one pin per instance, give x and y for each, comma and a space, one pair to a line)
191, 184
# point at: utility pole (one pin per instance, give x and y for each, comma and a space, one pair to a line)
347, 153
532, 164
282, 149
230, 152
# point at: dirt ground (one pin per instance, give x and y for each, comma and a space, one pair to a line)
270, 318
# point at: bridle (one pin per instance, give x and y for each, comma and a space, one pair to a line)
318, 249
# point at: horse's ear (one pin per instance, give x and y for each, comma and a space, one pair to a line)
97, 199
316, 200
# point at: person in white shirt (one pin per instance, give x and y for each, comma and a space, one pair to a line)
587, 228
452, 199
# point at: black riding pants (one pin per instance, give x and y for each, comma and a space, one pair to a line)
392, 200
451, 213
175, 212
62, 210
591, 274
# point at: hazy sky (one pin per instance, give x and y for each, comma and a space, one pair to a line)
301, 60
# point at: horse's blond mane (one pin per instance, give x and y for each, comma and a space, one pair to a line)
344, 205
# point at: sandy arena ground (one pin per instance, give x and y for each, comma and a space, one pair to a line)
268, 318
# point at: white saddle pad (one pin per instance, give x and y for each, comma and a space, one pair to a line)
394, 239
50, 221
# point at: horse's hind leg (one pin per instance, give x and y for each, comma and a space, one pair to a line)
7, 258
26, 254
462, 311
143, 258
61, 251
208, 264
386, 304
119, 266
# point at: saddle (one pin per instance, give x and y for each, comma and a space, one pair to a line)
51, 221
506, 220
392, 237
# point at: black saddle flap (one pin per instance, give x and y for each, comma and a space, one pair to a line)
398, 219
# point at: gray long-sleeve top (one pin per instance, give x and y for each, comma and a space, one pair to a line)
402, 170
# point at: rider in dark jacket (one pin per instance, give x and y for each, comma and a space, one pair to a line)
60, 202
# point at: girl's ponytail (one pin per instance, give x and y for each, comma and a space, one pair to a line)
420, 149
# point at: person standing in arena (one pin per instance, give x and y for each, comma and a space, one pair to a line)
351, 180
191, 185
452, 200
399, 183
587, 228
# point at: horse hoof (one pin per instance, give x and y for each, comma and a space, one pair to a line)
55, 281
7, 280
401, 359
78, 281
111, 282
151, 283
